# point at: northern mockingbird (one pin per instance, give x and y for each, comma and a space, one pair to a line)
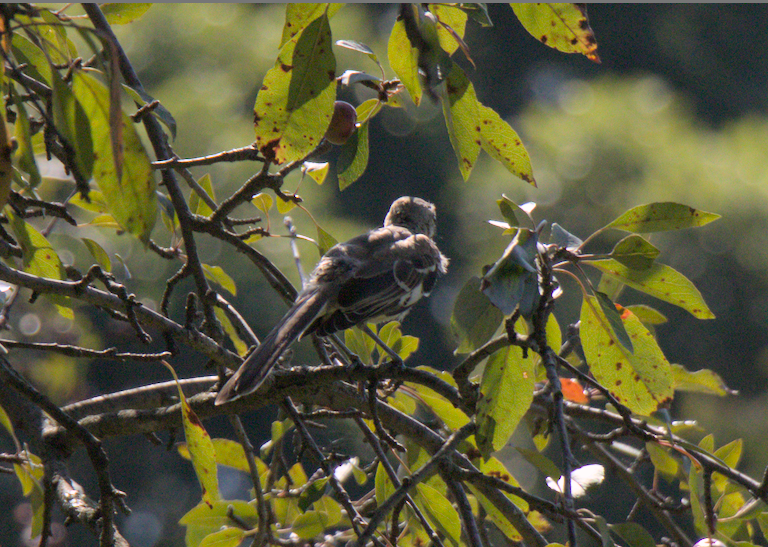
372, 277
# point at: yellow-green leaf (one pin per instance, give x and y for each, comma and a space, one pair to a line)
560, 26
502, 143
660, 281
316, 171
131, 199
263, 202
203, 520
700, 381
24, 156
462, 117
440, 513
299, 15
404, 60
198, 205
218, 275
659, 217
353, 158
382, 485
228, 537
284, 205
124, 13
453, 17
229, 329
506, 392
98, 253
295, 103
325, 240
635, 252
641, 380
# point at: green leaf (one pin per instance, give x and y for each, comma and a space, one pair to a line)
298, 16
635, 252
506, 392
662, 461
353, 158
121, 14
442, 408
634, 534
455, 18
440, 512
478, 12
228, 453
404, 61
312, 493
295, 104
659, 217
560, 26
98, 253
502, 143
309, 525
383, 486
496, 469
284, 205
546, 466
39, 258
475, 319
359, 343
71, 120
25, 155
512, 281
325, 240
204, 520
218, 275
515, 215
316, 171
641, 380
229, 329
142, 98
462, 117
131, 199
614, 320
196, 204
26, 52
228, 537
660, 281
647, 314
263, 202
368, 109
700, 381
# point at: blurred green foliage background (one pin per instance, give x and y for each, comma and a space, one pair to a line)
675, 112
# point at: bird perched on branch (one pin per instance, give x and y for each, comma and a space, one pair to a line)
372, 277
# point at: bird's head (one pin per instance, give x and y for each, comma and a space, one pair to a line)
414, 214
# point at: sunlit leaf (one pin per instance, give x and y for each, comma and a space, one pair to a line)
383, 486
123, 13
263, 202
131, 199
359, 343
502, 143
660, 281
662, 461
353, 158
614, 320
560, 26
196, 204
453, 417
98, 253
475, 319
284, 205
582, 479
641, 380
514, 214
506, 392
404, 60
201, 449
325, 240
456, 19
316, 171
218, 275
573, 391
295, 103
462, 117
229, 329
204, 520
228, 537
658, 217
440, 512
24, 155
647, 314
635, 252
700, 381
298, 16
31, 55
368, 109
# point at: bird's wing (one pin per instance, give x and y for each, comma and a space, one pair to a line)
399, 269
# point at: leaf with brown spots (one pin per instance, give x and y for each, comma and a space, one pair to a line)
659, 217
502, 144
39, 258
506, 392
561, 26
641, 380
299, 15
493, 467
200, 447
295, 103
130, 198
660, 281
460, 108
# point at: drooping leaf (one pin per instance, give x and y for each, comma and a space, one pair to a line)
218, 275
454, 18
298, 16
495, 468
475, 319
98, 253
71, 120
506, 392
502, 143
404, 61
659, 217
295, 103
478, 12
440, 512
614, 320
462, 117
123, 13
200, 446
383, 487
353, 158
641, 380
660, 281
453, 417
513, 280
700, 381
560, 26
131, 199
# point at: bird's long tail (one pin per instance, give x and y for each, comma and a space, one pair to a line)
259, 364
